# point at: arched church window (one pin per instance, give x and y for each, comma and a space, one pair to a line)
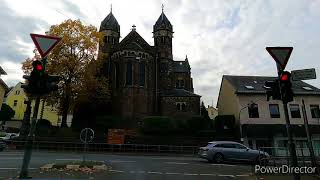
178, 106
183, 107
129, 74
142, 74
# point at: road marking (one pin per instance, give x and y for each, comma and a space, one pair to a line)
7, 158
187, 174
230, 165
119, 161
207, 174
175, 163
111, 170
68, 159
226, 175
152, 172
13, 168
242, 175
10, 154
172, 173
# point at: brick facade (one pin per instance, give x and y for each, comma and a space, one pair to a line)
145, 80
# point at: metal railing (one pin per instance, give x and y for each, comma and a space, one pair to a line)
281, 156
104, 147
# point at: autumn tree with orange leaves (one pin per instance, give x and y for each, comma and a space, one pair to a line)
75, 60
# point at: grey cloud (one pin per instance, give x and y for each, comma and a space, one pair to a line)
74, 9
15, 26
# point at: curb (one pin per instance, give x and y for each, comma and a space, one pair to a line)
74, 167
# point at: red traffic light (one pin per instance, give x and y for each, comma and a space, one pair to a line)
39, 67
285, 76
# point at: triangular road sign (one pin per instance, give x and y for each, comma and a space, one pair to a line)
280, 54
44, 43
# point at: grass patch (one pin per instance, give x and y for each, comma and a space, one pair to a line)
2, 134
88, 164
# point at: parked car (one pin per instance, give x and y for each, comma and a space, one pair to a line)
220, 151
9, 136
2, 145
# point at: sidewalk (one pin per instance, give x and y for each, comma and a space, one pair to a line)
284, 177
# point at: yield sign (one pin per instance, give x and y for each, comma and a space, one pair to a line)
44, 43
280, 54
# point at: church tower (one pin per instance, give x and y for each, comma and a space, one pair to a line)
163, 34
111, 29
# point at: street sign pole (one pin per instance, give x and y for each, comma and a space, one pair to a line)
281, 55
29, 142
44, 44
86, 136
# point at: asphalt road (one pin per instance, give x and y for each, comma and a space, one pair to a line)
133, 167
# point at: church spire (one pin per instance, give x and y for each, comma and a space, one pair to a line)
162, 22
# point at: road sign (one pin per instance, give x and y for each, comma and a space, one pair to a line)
280, 54
86, 135
44, 43
303, 74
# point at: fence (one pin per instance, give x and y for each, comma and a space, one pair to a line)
281, 155
103, 147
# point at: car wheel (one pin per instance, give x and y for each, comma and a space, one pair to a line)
261, 160
218, 158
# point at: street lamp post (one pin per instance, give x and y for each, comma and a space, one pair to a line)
240, 125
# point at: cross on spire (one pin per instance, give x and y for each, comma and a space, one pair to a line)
162, 7
133, 27
111, 8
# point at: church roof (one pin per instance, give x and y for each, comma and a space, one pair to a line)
110, 23
2, 71
181, 66
162, 23
178, 93
133, 41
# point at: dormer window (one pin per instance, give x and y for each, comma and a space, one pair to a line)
249, 87
307, 88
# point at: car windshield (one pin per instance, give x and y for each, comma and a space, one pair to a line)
140, 89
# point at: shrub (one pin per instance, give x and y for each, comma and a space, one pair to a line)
43, 128
222, 121
6, 113
197, 123
157, 125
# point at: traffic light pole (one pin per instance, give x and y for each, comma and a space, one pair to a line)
29, 142
292, 147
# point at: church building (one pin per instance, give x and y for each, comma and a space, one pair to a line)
145, 79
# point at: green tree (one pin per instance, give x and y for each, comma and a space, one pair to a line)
6, 113
70, 60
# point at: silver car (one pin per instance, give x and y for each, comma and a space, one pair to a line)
220, 151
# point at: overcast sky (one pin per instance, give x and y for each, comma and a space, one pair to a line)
219, 36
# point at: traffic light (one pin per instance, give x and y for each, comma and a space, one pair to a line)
35, 79
52, 83
273, 90
286, 87
39, 82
